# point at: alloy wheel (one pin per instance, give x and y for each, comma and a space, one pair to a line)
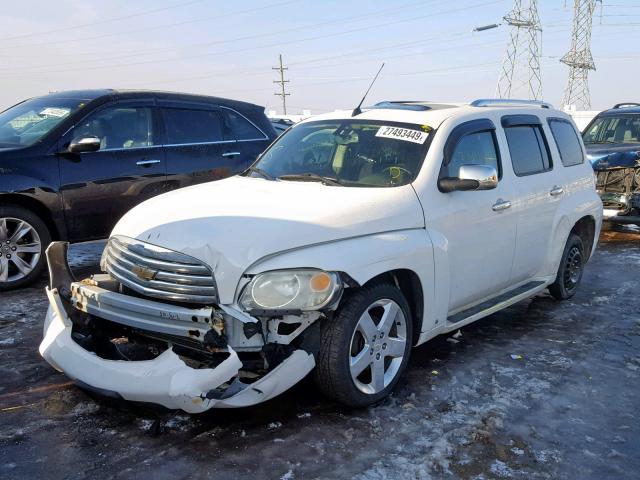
378, 346
20, 249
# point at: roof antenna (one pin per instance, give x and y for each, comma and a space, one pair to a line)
357, 110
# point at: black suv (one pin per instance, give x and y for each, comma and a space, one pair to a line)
72, 163
612, 140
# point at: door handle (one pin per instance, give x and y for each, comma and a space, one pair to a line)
231, 154
146, 163
556, 190
501, 205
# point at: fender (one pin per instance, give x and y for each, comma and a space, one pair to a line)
366, 257
36, 194
582, 201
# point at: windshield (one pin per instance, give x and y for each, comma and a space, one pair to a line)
347, 152
614, 129
27, 122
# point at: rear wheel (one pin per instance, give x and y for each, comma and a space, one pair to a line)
23, 239
365, 347
570, 269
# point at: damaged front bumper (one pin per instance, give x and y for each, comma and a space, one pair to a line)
169, 379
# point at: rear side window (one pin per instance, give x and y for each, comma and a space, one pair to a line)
185, 126
474, 149
528, 149
241, 128
567, 141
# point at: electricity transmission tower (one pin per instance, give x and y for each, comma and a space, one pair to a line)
282, 83
521, 66
578, 58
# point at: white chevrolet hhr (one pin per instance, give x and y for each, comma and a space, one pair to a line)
354, 237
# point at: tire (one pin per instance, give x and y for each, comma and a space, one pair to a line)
570, 269
350, 335
24, 238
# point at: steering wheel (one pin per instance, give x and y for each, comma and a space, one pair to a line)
395, 176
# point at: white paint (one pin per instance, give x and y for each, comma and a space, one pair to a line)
165, 380
462, 251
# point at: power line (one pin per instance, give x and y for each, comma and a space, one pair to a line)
158, 27
252, 48
521, 65
142, 53
317, 62
109, 20
283, 94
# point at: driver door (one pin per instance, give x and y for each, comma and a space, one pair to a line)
99, 187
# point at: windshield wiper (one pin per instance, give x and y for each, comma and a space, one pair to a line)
599, 142
260, 172
311, 177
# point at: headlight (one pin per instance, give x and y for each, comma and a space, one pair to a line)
291, 290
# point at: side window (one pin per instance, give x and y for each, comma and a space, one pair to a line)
567, 141
241, 128
528, 148
477, 148
119, 127
192, 126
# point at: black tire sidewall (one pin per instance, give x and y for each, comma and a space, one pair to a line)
558, 288
335, 351
45, 239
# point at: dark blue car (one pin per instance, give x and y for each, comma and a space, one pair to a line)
72, 163
612, 140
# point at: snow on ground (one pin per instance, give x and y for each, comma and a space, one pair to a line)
542, 390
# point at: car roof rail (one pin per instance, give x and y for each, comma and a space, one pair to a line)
416, 105
509, 102
626, 104
402, 105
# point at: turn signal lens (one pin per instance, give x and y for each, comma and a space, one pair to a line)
320, 282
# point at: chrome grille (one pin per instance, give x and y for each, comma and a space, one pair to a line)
159, 273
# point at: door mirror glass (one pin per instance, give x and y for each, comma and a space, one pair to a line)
471, 177
485, 175
84, 144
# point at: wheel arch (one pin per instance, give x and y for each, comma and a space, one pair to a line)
37, 208
408, 282
585, 228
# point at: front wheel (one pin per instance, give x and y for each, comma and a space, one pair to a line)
570, 269
365, 347
23, 239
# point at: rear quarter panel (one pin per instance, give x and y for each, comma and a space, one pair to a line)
579, 200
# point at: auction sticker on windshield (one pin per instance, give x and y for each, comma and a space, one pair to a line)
406, 134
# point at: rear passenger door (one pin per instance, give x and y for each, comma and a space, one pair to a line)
198, 149
538, 191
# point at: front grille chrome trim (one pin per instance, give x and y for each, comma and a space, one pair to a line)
172, 276
148, 261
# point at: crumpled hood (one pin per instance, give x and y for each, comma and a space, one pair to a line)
604, 157
231, 224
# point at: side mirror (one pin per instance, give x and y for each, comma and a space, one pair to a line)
470, 177
84, 144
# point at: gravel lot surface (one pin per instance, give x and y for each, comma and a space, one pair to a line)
542, 390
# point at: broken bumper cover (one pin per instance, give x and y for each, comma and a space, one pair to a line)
165, 380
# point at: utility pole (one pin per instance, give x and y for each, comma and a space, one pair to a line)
521, 65
579, 58
282, 83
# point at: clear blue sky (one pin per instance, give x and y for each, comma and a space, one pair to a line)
332, 48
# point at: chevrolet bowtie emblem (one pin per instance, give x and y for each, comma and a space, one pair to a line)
144, 273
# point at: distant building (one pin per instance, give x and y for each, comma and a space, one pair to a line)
293, 118
581, 117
